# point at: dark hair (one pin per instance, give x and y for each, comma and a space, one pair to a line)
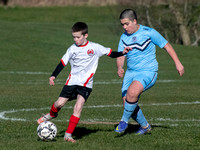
80, 26
128, 13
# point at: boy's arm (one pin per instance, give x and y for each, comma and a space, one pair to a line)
58, 69
175, 58
120, 64
118, 54
120, 60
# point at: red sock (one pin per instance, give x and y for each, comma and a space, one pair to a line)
54, 111
73, 121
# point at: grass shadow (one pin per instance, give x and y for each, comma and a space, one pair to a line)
133, 128
79, 132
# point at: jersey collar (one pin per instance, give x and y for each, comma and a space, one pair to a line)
84, 45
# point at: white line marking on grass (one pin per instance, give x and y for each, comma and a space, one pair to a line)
98, 82
38, 73
153, 104
2, 114
59, 82
168, 104
104, 121
24, 72
177, 120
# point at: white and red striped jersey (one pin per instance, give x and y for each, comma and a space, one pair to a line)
84, 61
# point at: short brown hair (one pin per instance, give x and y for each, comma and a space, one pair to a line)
128, 13
80, 26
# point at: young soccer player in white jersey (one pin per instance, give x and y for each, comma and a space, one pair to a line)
142, 67
83, 56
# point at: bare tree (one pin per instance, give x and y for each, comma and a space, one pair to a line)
181, 19
195, 29
148, 16
4, 2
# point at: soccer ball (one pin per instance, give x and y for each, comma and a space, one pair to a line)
47, 131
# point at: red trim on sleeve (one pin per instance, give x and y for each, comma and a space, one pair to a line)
68, 79
110, 52
62, 62
88, 79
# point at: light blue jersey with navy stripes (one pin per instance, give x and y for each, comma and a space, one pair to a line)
143, 44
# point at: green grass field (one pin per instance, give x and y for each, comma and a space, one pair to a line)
32, 42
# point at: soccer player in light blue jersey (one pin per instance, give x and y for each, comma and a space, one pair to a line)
142, 67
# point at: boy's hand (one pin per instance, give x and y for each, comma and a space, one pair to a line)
180, 69
126, 50
51, 80
120, 72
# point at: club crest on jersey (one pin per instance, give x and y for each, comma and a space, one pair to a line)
90, 52
134, 39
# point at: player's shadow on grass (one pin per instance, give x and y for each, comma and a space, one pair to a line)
79, 132
133, 128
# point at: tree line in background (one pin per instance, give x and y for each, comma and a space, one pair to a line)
177, 20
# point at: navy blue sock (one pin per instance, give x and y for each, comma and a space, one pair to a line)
139, 117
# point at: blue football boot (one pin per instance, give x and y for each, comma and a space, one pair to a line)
143, 130
121, 127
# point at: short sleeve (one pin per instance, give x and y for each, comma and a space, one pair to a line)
120, 45
66, 57
157, 38
103, 50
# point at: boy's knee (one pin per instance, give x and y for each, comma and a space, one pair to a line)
132, 95
59, 104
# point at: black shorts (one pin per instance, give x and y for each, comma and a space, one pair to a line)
71, 92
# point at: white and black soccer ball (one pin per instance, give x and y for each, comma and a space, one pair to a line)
47, 131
